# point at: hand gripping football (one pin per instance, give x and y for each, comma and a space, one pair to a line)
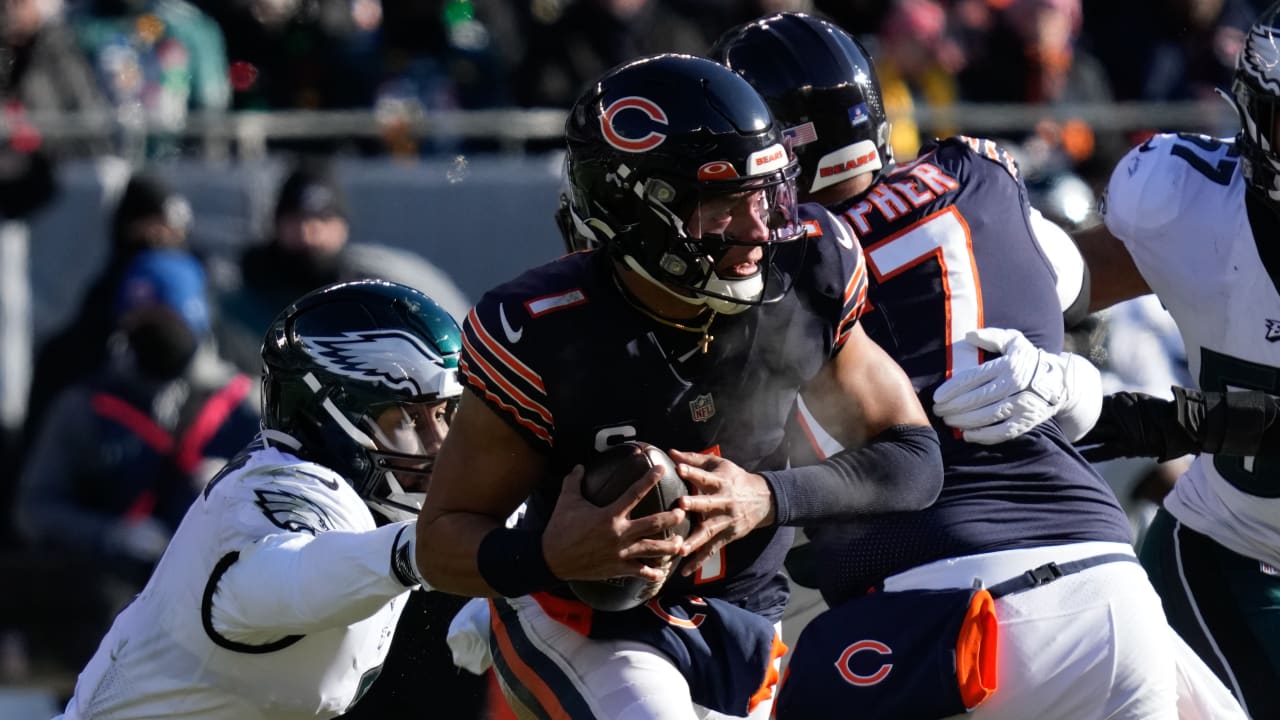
608, 475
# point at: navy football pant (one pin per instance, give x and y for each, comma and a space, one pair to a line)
1225, 605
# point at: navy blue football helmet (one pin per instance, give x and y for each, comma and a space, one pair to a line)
353, 377
650, 142
821, 85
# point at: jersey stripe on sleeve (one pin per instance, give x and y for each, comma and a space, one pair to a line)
501, 378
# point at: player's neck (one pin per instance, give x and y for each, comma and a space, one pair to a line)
655, 300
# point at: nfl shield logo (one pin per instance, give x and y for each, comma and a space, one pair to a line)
702, 408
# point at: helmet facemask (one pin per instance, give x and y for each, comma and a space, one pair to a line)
407, 437
677, 243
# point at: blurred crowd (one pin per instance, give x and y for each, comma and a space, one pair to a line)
158, 61
152, 378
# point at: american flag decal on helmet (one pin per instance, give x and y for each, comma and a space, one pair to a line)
800, 135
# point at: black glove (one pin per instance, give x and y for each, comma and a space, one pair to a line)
1140, 425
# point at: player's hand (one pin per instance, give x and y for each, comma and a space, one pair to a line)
585, 542
727, 501
1005, 397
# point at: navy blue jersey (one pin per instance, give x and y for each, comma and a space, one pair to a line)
574, 367
949, 248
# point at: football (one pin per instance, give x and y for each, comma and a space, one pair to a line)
608, 475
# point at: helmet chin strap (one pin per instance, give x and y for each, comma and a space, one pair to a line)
746, 289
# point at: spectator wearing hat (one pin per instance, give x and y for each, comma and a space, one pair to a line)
120, 456
148, 215
309, 247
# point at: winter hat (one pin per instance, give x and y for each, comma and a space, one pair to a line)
311, 190
173, 278
149, 196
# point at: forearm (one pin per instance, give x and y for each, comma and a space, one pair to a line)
1235, 423
296, 583
899, 470
1239, 422
455, 569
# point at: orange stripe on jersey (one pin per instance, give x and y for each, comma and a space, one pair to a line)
527, 675
503, 354
477, 383
516, 395
857, 281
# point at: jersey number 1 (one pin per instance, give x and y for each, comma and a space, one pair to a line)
944, 237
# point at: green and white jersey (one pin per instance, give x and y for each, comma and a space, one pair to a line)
1178, 204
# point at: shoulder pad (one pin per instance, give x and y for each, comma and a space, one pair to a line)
988, 150
501, 359
841, 271
1145, 192
296, 497
821, 222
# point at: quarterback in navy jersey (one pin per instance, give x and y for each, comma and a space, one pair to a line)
702, 301
968, 287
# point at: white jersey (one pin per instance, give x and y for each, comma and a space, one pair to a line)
276, 598
1178, 204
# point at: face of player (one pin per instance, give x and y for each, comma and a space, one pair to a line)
413, 433
742, 219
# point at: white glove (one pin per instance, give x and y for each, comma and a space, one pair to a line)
1005, 397
469, 637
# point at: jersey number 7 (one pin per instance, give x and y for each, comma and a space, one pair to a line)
943, 236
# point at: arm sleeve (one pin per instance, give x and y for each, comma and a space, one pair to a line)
293, 583
899, 470
1238, 422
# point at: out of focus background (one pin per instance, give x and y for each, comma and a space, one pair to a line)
173, 172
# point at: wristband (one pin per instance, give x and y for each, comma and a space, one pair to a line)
511, 561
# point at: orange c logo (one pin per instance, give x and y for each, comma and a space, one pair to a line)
649, 108
853, 678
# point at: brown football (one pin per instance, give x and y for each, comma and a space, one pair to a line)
608, 475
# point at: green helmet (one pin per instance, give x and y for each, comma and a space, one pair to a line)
347, 372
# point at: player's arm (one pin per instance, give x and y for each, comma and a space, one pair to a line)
891, 461
1113, 276
1237, 422
485, 469
862, 398
295, 583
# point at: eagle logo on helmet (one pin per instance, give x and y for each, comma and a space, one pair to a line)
1261, 58
393, 358
643, 106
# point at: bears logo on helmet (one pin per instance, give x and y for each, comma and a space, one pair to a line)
608, 475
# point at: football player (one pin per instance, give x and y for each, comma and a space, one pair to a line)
1195, 220
278, 594
961, 269
701, 301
